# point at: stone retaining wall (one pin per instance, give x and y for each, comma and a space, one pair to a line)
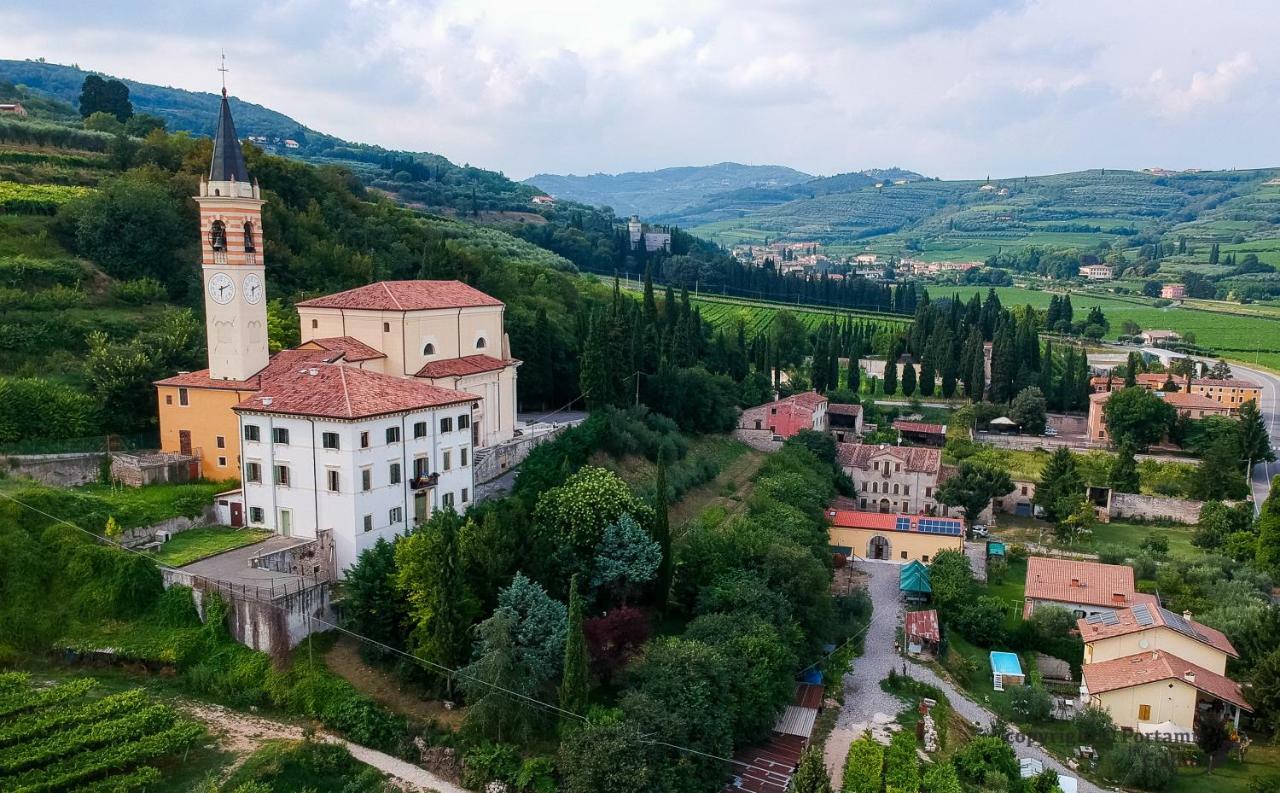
760, 440
1135, 505
132, 538
494, 461
57, 470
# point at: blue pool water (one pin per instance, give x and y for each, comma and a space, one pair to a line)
1005, 664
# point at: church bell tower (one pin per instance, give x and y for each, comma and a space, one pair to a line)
235, 300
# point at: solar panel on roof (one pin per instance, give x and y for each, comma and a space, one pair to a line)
902, 524
1103, 618
1180, 625
1143, 615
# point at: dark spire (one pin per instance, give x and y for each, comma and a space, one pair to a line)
228, 159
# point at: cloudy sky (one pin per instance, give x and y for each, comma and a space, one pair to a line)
951, 88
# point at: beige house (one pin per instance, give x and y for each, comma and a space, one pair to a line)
445, 332
1156, 671
1192, 406
892, 479
891, 537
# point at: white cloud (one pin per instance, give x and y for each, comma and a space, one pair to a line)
948, 87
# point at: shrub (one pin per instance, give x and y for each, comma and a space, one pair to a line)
1142, 764
987, 761
864, 766
490, 762
1111, 554
1032, 703
902, 767
139, 291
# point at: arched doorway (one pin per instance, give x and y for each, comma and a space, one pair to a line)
878, 548
884, 505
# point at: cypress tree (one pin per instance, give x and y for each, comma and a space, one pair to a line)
575, 684
908, 379
650, 303
1046, 373
662, 535
1131, 371
891, 373
1081, 393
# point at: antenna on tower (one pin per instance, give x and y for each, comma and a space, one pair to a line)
223, 68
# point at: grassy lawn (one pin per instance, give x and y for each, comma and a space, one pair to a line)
1010, 588
195, 544
1231, 776
1126, 537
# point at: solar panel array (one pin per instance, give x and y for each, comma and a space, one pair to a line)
1180, 625
1103, 618
940, 526
1142, 615
902, 524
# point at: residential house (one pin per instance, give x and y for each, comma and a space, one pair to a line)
13, 108
921, 432
890, 537
1192, 406
1156, 671
544, 200
1173, 291
1158, 338
783, 418
892, 479
367, 455
1229, 392
1096, 272
652, 238
1084, 588
845, 422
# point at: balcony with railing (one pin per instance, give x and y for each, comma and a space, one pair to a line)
424, 481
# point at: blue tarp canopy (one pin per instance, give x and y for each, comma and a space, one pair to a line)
995, 548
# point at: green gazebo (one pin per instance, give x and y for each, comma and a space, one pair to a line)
913, 581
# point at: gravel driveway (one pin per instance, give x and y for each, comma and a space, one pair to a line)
866, 704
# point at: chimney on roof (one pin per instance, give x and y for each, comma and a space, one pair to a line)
1189, 676
1075, 582
1186, 615
1118, 597
266, 401
313, 371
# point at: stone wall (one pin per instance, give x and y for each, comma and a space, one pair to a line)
760, 440
57, 470
313, 558
136, 470
133, 538
494, 461
1134, 505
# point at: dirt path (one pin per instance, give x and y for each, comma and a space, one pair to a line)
242, 733
728, 490
344, 659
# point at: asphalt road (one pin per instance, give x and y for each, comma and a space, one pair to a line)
1260, 477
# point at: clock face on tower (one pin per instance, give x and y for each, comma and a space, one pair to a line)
221, 288
252, 289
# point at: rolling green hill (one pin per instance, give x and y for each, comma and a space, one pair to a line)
666, 191
959, 220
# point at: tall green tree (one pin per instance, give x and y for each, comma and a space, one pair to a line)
430, 574
575, 684
1255, 441
1137, 417
373, 606
1124, 471
811, 773
908, 379
891, 373
99, 95
662, 535
1060, 485
1028, 409
973, 486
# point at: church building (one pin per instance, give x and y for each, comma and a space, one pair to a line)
380, 409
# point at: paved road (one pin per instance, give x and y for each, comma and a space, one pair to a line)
865, 704
1260, 477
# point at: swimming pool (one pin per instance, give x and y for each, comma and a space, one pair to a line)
1006, 664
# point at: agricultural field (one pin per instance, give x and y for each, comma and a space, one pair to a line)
63, 737
36, 199
757, 316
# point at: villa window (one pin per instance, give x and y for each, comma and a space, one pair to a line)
464, 421
420, 467
366, 479
395, 473
364, 440
282, 475
446, 424
464, 495
221, 441
447, 464
253, 472
334, 481
256, 515
395, 515
183, 397
480, 343
420, 429
1144, 713
393, 434
329, 440
462, 459
447, 499
368, 523
428, 349
280, 435
386, 327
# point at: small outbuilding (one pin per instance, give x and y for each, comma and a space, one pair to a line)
1003, 424
913, 581
921, 631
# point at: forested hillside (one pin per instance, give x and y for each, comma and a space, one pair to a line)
666, 191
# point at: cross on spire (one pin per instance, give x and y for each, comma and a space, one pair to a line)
223, 68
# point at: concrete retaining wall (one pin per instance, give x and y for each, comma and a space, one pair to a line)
307, 558
57, 470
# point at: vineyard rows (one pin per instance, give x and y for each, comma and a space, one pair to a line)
58, 738
756, 318
36, 199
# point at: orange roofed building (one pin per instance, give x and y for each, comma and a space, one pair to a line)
1192, 406
1084, 588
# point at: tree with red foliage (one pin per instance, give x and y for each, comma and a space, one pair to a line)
614, 638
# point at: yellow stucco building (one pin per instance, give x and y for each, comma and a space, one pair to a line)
892, 538
1155, 671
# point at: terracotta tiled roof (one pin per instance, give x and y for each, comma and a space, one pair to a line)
807, 399
284, 360
1095, 584
1153, 667
459, 367
859, 455
345, 392
352, 349
1122, 622
923, 624
843, 515
1227, 383
1179, 399
919, 426
405, 296
840, 409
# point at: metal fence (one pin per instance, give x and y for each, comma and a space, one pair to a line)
91, 444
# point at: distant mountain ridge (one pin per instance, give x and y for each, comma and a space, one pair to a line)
661, 192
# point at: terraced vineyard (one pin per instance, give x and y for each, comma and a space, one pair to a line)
60, 737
